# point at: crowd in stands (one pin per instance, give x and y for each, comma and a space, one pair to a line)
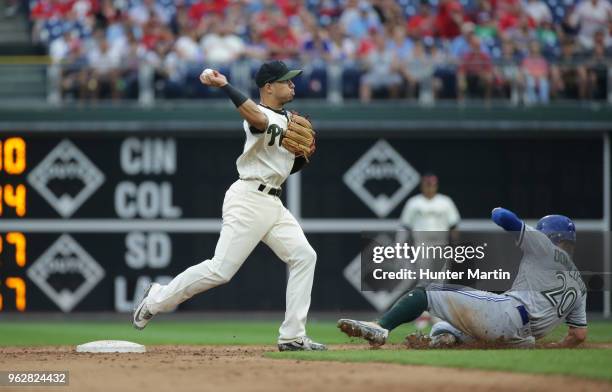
530, 52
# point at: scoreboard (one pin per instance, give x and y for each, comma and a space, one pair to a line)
98, 217
89, 218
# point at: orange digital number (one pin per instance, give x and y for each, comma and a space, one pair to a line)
19, 286
19, 240
14, 155
14, 196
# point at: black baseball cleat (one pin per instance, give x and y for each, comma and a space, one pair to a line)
372, 332
302, 344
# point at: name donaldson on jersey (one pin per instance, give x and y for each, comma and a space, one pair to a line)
426, 274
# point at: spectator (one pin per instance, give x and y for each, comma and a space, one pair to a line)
172, 73
117, 33
511, 16
522, 35
343, 48
104, 71
316, 50
60, 47
267, 17
538, 11
449, 19
281, 41
597, 67
509, 74
85, 9
460, 45
591, 16
536, 72
221, 46
255, 49
146, 9
475, 71
151, 33
417, 71
67, 55
290, 8
130, 64
187, 48
548, 38
569, 77
200, 9
484, 20
422, 24
74, 71
303, 23
380, 70
399, 43
236, 16
357, 19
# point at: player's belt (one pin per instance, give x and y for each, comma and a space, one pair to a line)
269, 190
524, 314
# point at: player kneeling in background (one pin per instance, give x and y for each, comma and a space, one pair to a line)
278, 143
548, 290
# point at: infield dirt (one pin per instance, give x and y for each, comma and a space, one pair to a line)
244, 368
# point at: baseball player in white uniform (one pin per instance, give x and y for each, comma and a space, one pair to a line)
253, 212
428, 218
547, 291
430, 210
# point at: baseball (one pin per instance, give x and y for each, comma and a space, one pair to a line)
205, 74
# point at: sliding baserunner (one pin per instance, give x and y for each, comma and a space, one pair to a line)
547, 291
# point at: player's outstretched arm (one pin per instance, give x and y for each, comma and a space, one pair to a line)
506, 219
575, 337
246, 107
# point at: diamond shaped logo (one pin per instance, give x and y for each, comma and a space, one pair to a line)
66, 178
381, 178
381, 300
66, 273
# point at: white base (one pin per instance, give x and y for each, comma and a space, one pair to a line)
110, 346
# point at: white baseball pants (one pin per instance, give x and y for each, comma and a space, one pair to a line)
250, 216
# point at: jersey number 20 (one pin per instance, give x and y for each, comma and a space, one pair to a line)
562, 298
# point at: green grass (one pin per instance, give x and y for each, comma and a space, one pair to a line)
163, 332
13, 333
599, 332
589, 363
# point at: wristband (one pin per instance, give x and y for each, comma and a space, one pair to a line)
236, 96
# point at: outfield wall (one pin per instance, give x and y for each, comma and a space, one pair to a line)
107, 210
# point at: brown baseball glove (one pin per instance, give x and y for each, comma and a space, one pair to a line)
299, 137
